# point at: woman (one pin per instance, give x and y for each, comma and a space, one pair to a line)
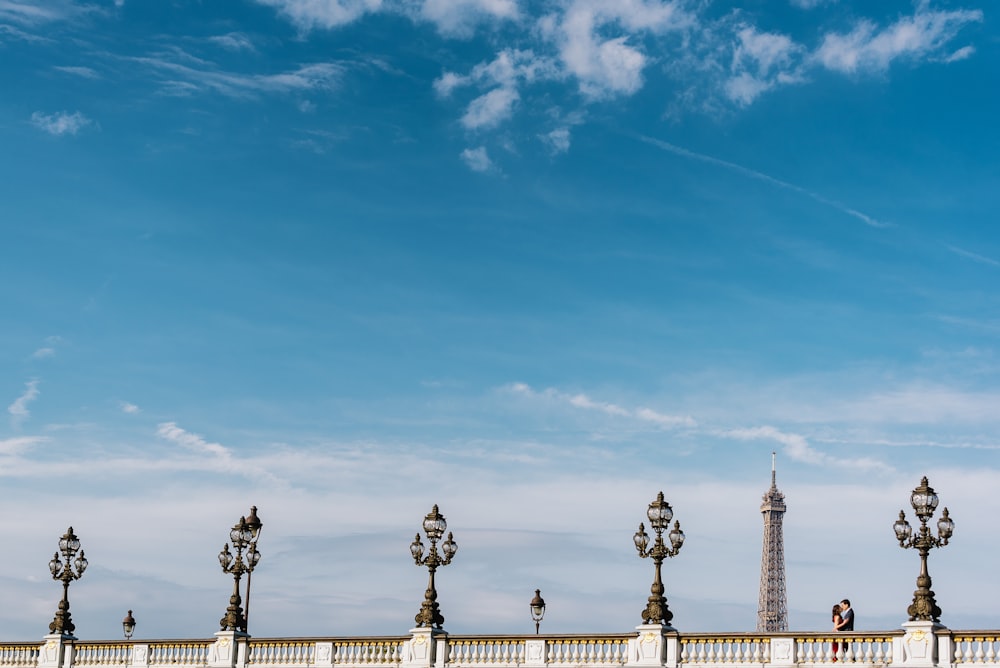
836, 622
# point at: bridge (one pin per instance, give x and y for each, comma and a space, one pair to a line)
919, 644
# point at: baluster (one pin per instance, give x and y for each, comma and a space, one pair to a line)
991, 654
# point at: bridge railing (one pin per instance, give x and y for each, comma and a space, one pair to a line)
651, 647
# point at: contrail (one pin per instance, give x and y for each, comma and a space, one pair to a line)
760, 176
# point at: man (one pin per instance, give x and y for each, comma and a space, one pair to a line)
846, 616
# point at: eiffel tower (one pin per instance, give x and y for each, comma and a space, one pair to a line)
772, 607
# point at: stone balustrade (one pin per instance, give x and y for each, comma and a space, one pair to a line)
916, 645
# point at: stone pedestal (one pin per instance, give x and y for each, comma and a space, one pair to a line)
229, 650
57, 651
425, 648
534, 653
918, 646
782, 652
654, 645
140, 656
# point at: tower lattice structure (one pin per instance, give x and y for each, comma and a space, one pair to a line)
772, 607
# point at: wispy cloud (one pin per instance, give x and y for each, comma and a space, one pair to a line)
129, 408
867, 48
43, 353
754, 174
19, 408
582, 401
60, 123
797, 447
34, 13
233, 41
196, 75
84, 72
976, 257
194, 442
16, 446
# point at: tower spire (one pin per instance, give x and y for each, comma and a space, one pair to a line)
772, 606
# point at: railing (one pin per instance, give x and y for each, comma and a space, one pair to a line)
18, 654
942, 648
102, 654
703, 649
370, 651
597, 650
976, 647
179, 652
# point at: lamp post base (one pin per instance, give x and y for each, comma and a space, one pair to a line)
918, 648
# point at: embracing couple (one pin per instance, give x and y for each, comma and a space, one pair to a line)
843, 620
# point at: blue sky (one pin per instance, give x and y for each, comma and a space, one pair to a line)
531, 261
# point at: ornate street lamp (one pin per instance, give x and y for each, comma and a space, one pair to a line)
128, 625
254, 524
67, 569
537, 609
659, 514
924, 501
242, 539
434, 526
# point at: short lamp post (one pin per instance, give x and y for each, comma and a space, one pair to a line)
537, 609
244, 561
434, 526
924, 501
66, 566
128, 625
659, 514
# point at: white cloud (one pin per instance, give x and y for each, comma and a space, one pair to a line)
501, 76
866, 48
960, 54
19, 408
604, 64
557, 140
761, 61
477, 159
489, 110
129, 408
43, 353
171, 432
310, 14
460, 17
60, 123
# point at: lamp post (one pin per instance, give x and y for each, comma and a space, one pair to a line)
246, 558
537, 609
924, 501
434, 526
128, 625
70, 567
254, 524
659, 514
